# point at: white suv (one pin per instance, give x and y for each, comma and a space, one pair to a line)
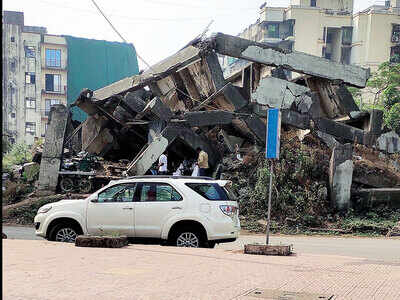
181, 211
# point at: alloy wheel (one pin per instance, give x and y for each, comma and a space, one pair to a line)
187, 239
67, 235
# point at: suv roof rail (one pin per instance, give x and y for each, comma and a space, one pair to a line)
169, 176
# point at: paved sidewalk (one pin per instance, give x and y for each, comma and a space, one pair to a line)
46, 270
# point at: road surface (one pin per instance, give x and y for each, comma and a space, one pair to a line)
368, 248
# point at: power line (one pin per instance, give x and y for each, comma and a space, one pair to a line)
109, 22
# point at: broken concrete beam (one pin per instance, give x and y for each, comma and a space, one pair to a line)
329, 102
158, 108
389, 142
231, 141
375, 122
344, 131
155, 129
295, 61
257, 127
215, 71
373, 197
189, 84
346, 99
282, 94
158, 71
53, 148
289, 117
208, 118
341, 176
375, 180
234, 97
328, 139
145, 159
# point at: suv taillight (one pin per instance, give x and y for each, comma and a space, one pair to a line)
228, 210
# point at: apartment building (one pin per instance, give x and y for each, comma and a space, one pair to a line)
328, 28
41, 69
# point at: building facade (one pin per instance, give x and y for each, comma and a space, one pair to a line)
36, 66
329, 29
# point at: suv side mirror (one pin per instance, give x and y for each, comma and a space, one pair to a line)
94, 200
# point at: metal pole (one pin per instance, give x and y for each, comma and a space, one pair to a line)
269, 200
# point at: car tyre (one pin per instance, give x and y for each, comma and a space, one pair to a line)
188, 237
64, 232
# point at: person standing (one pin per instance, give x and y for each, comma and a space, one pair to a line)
202, 162
163, 164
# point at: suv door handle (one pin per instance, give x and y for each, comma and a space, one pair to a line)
127, 208
177, 207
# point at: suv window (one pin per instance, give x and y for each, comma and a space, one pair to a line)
118, 193
210, 191
158, 192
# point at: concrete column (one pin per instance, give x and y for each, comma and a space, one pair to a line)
53, 148
341, 176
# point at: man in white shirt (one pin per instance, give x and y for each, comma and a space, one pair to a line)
163, 164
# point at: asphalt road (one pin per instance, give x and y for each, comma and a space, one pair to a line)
368, 248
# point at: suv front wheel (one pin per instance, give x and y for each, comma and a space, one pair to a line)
63, 232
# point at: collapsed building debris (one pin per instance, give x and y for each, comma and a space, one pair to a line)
185, 102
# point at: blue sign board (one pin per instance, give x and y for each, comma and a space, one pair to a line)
273, 133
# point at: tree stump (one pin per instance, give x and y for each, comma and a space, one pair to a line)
101, 241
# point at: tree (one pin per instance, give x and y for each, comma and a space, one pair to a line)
386, 83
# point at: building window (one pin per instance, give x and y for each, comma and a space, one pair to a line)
12, 66
49, 103
273, 30
53, 58
30, 51
30, 103
30, 78
313, 3
395, 54
53, 83
30, 127
396, 34
12, 39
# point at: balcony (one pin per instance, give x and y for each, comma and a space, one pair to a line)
61, 92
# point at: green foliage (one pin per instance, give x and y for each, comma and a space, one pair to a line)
6, 145
26, 214
299, 191
18, 154
15, 192
392, 117
386, 82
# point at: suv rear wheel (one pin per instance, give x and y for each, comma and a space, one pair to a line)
187, 237
64, 232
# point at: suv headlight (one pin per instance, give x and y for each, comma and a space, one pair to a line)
44, 209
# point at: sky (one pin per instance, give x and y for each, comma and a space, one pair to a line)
157, 28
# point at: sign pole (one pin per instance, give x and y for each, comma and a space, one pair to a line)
269, 200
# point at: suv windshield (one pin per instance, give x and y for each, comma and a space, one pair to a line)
211, 191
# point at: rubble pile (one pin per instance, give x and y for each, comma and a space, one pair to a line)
186, 101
